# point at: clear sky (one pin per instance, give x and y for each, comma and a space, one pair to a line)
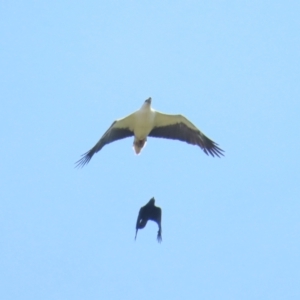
231, 226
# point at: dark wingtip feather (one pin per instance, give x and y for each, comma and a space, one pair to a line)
215, 150
212, 148
159, 237
86, 157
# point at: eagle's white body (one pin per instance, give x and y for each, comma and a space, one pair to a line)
141, 123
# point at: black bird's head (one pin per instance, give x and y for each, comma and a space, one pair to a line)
151, 201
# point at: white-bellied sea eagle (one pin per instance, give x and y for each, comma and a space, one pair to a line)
148, 122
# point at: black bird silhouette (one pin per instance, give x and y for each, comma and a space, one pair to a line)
149, 212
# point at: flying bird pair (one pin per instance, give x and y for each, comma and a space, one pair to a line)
148, 122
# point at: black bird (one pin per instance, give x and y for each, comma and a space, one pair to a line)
149, 212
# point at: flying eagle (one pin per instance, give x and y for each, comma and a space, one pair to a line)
148, 122
149, 212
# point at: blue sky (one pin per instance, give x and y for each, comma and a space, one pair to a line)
230, 225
